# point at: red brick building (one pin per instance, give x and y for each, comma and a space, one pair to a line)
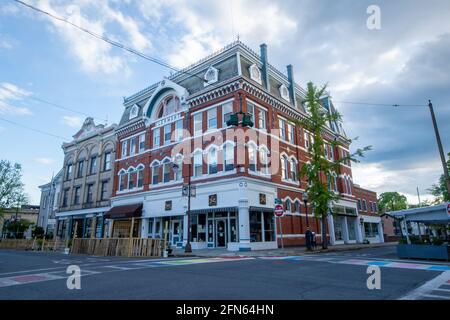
367, 203
176, 129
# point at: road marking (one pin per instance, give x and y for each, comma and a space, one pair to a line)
428, 287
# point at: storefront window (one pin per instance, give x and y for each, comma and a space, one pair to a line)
269, 227
194, 228
255, 226
370, 229
233, 230
210, 230
201, 229
351, 229
338, 229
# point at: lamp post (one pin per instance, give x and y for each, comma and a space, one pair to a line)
176, 169
305, 201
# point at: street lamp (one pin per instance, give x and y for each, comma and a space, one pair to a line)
246, 120
305, 201
176, 169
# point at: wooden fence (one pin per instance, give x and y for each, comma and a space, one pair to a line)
33, 244
129, 247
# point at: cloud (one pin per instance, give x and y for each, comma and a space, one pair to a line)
72, 121
44, 161
94, 55
10, 93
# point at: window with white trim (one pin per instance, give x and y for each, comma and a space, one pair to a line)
282, 125
178, 174
212, 118
252, 157
167, 133
134, 112
166, 170
131, 178
291, 132
133, 145
284, 168
141, 142
140, 176
179, 130
255, 73
293, 168
212, 160
124, 148
262, 118
121, 180
251, 111
227, 111
364, 205
263, 158
155, 173
228, 156
284, 92
156, 137
198, 164
198, 129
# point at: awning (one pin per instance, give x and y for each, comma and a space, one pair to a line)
208, 210
125, 211
432, 214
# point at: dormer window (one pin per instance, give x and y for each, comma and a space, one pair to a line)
134, 112
211, 76
284, 92
255, 73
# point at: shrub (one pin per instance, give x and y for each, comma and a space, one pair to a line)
437, 242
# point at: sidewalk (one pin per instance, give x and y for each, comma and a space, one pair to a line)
289, 251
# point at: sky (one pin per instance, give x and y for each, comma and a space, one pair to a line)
405, 61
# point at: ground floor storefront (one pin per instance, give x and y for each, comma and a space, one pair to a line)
81, 224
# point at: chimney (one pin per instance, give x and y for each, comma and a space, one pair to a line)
290, 72
265, 67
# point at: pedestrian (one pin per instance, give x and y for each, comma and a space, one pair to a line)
313, 240
308, 238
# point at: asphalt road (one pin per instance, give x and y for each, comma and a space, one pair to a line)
339, 275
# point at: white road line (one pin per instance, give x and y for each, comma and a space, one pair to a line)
428, 287
435, 296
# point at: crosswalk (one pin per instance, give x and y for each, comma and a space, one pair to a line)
435, 289
24, 277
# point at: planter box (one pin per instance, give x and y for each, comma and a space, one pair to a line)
423, 251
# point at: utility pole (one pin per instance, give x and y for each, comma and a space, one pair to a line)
418, 196
441, 150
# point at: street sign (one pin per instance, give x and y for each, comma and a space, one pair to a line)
185, 191
279, 211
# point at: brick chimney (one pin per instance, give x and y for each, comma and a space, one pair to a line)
290, 73
265, 67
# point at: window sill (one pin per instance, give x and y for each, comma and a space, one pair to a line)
213, 175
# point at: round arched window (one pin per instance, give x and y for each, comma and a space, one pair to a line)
168, 106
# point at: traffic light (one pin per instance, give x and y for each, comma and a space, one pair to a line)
247, 120
234, 120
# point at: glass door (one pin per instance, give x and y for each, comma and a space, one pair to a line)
221, 233
177, 232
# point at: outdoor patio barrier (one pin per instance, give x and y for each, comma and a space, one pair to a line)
129, 247
423, 251
33, 244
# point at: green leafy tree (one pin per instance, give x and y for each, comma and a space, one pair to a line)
11, 186
17, 227
439, 190
391, 201
319, 170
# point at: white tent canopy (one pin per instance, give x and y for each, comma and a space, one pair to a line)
433, 214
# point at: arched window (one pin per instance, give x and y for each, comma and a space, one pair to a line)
293, 169
131, 174
297, 206
155, 172
228, 157
140, 175
212, 160
121, 180
166, 170
252, 157
168, 106
264, 160
255, 73
284, 167
288, 205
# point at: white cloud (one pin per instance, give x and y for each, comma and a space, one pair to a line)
72, 121
377, 177
95, 55
44, 161
10, 93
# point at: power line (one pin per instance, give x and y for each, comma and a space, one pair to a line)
106, 39
50, 103
382, 104
33, 129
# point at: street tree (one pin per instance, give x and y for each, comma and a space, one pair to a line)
391, 201
11, 186
319, 170
439, 190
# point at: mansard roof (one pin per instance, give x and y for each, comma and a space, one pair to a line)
232, 62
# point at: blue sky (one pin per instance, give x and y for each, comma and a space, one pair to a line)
406, 61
